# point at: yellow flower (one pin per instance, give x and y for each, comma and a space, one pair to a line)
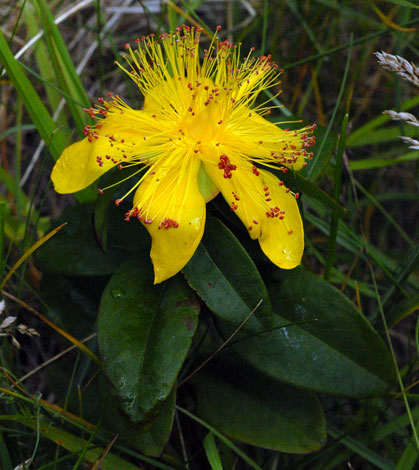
199, 133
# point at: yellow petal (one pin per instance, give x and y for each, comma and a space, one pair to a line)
243, 192
173, 211
265, 142
77, 166
282, 241
267, 209
114, 142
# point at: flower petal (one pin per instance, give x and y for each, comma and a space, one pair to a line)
118, 138
77, 166
265, 142
266, 207
282, 241
172, 209
83, 162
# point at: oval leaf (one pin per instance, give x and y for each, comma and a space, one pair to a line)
228, 281
144, 333
321, 342
246, 405
75, 252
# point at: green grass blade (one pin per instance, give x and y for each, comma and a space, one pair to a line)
63, 65
5, 461
409, 457
55, 141
336, 195
211, 452
401, 277
222, 438
362, 133
332, 119
369, 163
2, 222
361, 450
403, 3
13, 129
342, 47
385, 213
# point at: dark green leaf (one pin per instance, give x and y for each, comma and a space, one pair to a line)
322, 342
246, 405
75, 252
150, 442
72, 303
144, 333
227, 280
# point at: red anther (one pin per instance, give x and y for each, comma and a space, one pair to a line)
260, 142
110, 94
220, 122
118, 201
167, 223
265, 188
126, 45
137, 40
86, 130
218, 28
153, 116
249, 228
281, 183
268, 199
119, 167
297, 195
255, 170
252, 48
196, 151
281, 217
190, 109
281, 70
255, 222
289, 232
100, 100
100, 191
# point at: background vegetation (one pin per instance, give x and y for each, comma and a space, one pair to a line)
349, 401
